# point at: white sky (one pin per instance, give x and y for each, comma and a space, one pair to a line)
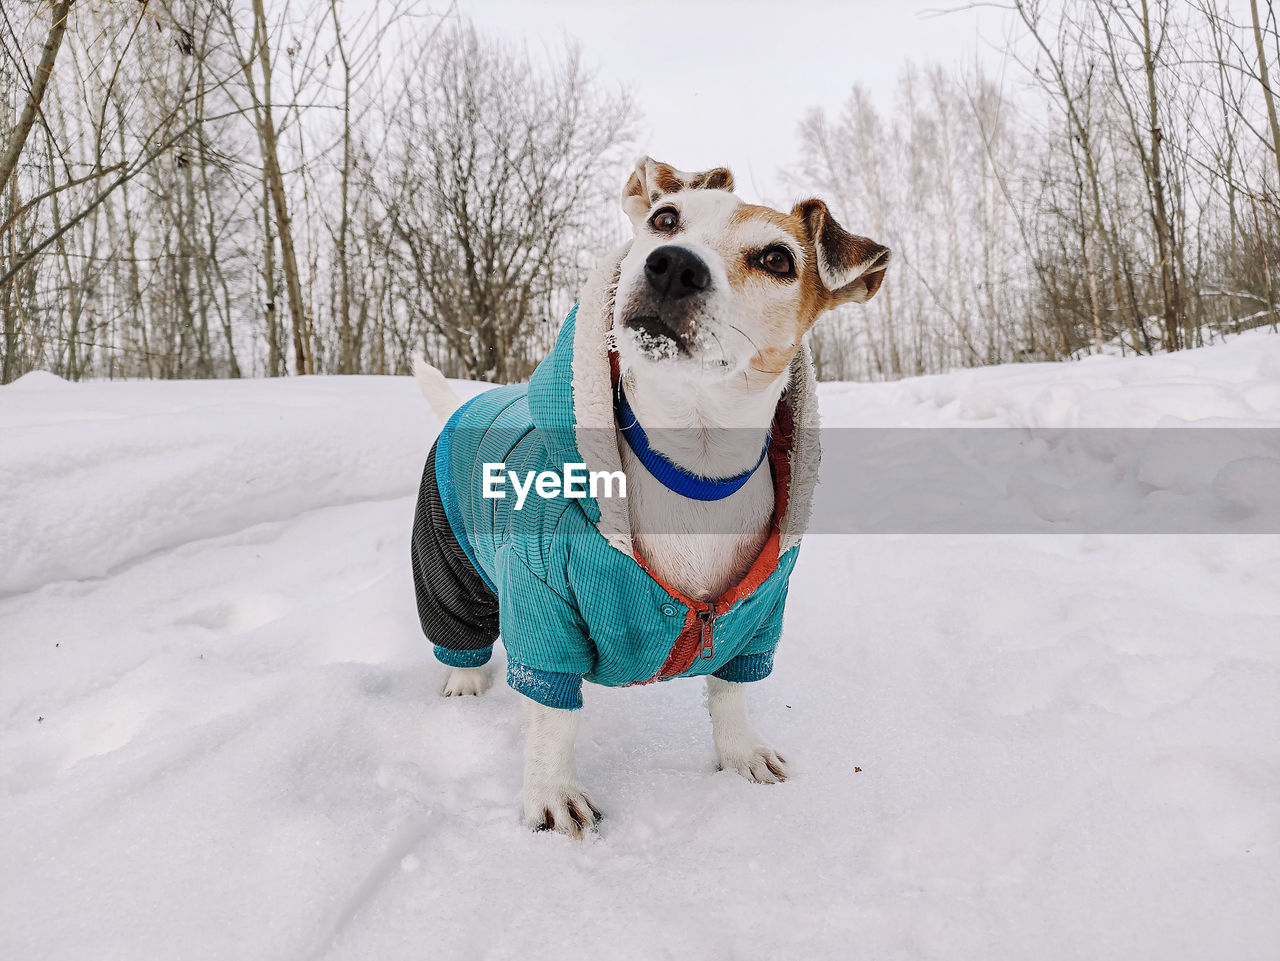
726, 82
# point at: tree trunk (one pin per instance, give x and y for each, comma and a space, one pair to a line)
275, 358
348, 349
39, 83
8, 303
1266, 90
275, 184
1164, 236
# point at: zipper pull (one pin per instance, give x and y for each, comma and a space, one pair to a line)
708, 618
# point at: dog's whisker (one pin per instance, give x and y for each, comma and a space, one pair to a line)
754, 345
719, 344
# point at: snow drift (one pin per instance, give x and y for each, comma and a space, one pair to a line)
220, 735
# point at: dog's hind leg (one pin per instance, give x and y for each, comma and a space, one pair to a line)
554, 799
738, 745
466, 680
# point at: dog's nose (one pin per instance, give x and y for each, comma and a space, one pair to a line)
675, 272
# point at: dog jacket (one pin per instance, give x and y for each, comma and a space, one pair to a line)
559, 580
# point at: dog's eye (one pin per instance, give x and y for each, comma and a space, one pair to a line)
777, 260
665, 220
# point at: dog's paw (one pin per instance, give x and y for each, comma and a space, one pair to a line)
566, 809
466, 680
760, 764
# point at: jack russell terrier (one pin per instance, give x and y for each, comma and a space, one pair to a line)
682, 382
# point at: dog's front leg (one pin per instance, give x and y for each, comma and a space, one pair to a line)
554, 799
738, 745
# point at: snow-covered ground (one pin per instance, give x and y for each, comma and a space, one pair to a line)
220, 735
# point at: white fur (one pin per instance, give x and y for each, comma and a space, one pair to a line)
466, 680
553, 796
595, 431
435, 389
738, 746
672, 531
728, 323
701, 411
722, 429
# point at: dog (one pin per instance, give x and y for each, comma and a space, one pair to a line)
681, 373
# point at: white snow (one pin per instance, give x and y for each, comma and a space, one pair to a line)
221, 735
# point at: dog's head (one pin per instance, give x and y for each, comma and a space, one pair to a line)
715, 286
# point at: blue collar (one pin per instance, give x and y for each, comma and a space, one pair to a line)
673, 476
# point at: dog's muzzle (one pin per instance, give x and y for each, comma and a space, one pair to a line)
676, 280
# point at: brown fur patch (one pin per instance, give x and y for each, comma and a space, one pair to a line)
664, 178
787, 306
653, 179
812, 292
844, 252
719, 179
793, 315
788, 222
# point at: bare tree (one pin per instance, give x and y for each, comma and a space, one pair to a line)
35, 93
1267, 94
496, 163
273, 182
119, 107
1135, 213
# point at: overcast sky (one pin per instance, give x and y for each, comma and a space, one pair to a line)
726, 82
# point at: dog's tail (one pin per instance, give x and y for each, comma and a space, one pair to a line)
435, 389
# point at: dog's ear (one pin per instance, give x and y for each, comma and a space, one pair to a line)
652, 180
849, 266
